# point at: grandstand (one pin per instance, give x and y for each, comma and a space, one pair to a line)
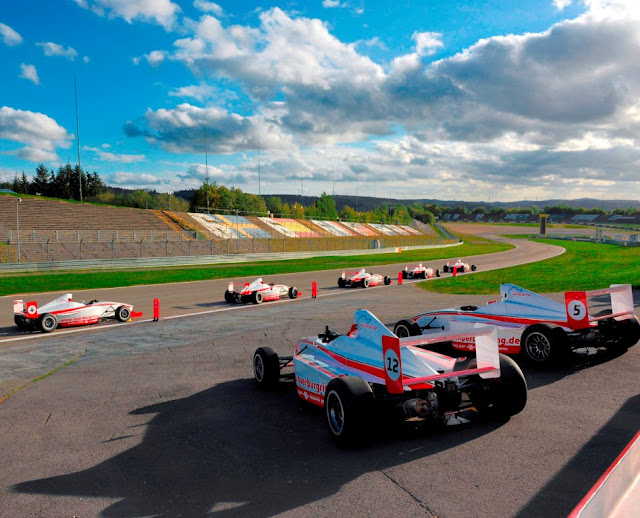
57, 230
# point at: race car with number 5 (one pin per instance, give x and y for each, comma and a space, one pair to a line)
259, 291
419, 272
370, 373
538, 328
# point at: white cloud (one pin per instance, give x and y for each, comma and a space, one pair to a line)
427, 43
53, 49
39, 134
208, 7
134, 180
560, 5
115, 157
9, 36
29, 72
162, 12
199, 92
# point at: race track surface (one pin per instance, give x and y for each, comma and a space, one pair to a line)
164, 419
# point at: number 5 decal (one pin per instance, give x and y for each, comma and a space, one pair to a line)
577, 314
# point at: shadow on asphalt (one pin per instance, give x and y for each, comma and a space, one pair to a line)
239, 451
575, 479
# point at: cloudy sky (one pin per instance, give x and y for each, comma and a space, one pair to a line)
495, 100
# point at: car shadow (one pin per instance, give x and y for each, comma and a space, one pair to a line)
562, 493
239, 451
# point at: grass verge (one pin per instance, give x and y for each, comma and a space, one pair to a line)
80, 280
584, 266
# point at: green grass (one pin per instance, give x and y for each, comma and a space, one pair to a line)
584, 266
80, 280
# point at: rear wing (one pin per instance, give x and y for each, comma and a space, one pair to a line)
30, 308
487, 357
576, 304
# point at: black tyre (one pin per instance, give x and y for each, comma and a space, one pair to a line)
341, 282
500, 397
21, 321
445, 268
47, 323
387, 280
228, 296
348, 405
437, 273
544, 344
365, 283
473, 268
266, 367
293, 292
405, 274
630, 332
123, 313
256, 297
424, 274
406, 328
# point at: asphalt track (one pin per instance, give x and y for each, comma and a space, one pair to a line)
163, 418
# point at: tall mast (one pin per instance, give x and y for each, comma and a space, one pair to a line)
75, 90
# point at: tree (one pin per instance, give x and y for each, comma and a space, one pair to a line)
274, 205
41, 184
325, 207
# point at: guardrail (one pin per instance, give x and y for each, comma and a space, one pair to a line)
200, 260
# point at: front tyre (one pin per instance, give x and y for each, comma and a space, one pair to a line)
544, 344
266, 367
405, 328
473, 268
47, 323
123, 313
438, 272
293, 292
348, 404
387, 280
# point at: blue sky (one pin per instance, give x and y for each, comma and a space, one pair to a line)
470, 100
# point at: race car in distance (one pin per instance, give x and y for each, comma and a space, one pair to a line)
419, 272
65, 312
460, 266
258, 292
536, 327
362, 279
370, 371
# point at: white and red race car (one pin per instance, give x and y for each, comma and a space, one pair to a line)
258, 292
369, 373
538, 328
65, 312
460, 267
419, 272
362, 279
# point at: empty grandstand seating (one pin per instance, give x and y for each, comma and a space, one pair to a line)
333, 228
360, 228
289, 227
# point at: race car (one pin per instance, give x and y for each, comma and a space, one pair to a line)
65, 312
370, 371
258, 291
460, 267
537, 328
419, 272
362, 279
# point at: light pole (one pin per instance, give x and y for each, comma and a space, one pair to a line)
18, 225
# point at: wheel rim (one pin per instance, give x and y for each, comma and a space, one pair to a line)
335, 413
258, 368
402, 332
48, 323
538, 347
124, 314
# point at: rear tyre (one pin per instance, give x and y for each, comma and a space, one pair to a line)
438, 273
47, 323
387, 281
544, 344
123, 313
405, 328
445, 268
293, 292
424, 274
341, 282
365, 283
631, 333
228, 296
348, 404
256, 298
20, 321
501, 397
266, 367
405, 274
